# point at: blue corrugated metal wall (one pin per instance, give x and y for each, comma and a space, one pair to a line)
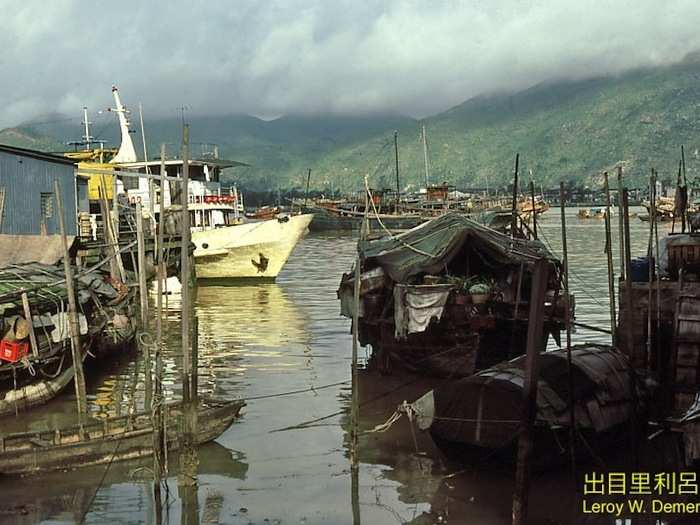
24, 179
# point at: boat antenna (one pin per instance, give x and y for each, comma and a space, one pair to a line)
126, 151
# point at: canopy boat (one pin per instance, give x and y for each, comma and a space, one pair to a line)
111, 439
448, 297
478, 414
593, 213
31, 373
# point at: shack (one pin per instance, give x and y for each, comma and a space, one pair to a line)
449, 297
29, 226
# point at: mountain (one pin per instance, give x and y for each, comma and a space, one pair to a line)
278, 151
564, 130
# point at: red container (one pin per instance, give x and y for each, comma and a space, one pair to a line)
13, 352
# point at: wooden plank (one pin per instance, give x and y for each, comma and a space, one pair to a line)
28, 317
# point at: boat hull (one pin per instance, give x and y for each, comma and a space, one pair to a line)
325, 220
256, 250
116, 439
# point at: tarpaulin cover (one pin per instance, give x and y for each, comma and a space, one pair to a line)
430, 246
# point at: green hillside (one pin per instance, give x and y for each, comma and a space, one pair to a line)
569, 130
563, 130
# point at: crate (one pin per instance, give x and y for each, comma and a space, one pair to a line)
13, 351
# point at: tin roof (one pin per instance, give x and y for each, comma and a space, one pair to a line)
35, 154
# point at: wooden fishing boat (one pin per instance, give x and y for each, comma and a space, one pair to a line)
112, 439
327, 218
446, 298
481, 414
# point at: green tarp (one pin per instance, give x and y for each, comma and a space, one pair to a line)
430, 246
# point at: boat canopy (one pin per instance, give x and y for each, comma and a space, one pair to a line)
430, 247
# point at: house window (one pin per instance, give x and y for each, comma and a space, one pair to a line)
46, 205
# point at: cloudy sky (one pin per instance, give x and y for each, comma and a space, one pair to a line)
272, 57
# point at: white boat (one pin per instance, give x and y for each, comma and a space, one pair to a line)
227, 245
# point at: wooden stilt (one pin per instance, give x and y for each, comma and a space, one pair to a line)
529, 412
514, 204
621, 222
79, 377
188, 456
567, 324
534, 214
609, 255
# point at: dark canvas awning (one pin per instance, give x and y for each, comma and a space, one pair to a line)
430, 246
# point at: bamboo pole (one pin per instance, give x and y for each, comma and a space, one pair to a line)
630, 331
188, 461
650, 258
141, 259
74, 326
609, 256
621, 222
659, 361
143, 296
534, 346
28, 317
398, 184
158, 430
567, 324
514, 205
534, 214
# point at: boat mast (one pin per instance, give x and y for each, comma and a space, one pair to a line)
86, 124
425, 156
126, 150
398, 185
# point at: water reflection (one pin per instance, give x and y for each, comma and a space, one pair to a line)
257, 341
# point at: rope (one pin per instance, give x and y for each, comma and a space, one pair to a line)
292, 392
391, 235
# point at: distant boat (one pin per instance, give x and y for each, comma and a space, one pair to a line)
593, 213
112, 439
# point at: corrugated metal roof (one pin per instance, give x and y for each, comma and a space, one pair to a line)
35, 154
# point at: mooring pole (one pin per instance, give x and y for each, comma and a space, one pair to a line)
621, 223
188, 465
398, 184
659, 361
567, 325
141, 259
74, 325
158, 430
650, 258
534, 213
611, 269
534, 346
143, 296
630, 315
514, 206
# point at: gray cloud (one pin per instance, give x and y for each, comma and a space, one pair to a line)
274, 57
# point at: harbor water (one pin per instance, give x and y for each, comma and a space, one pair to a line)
284, 348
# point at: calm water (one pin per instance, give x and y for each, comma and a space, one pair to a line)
262, 340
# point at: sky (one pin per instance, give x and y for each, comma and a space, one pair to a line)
269, 58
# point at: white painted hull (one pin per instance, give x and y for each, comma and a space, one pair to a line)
255, 250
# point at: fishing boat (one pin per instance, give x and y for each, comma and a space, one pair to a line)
109, 440
482, 413
446, 298
35, 360
593, 213
227, 244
